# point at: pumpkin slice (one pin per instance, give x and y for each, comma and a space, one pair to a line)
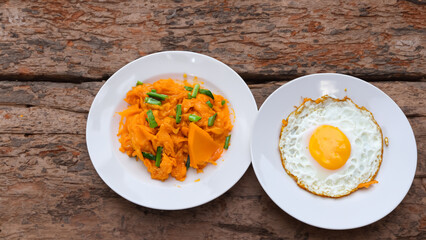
202, 148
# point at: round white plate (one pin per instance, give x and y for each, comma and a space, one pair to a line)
128, 177
362, 207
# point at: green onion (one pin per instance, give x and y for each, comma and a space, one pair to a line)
178, 113
194, 118
148, 156
206, 92
195, 90
157, 95
227, 142
202, 91
189, 96
212, 119
153, 90
223, 102
152, 101
210, 104
158, 156
188, 162
151, 119
139, 83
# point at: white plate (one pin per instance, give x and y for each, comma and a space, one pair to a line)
129, 178
362, 207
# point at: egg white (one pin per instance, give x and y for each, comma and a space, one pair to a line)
357, 124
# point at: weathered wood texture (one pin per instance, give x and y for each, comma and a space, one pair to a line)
74, 40
49, 188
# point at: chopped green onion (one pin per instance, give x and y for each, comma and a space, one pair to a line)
151, 119
195, 90
153, 90
210, 104
148, 156
139, 83
152, 101
157, 95
202, 91
189, 96
178, 113
194, 118
206, 92
188, 162
227, 142
158, 156
212, 119
223, 102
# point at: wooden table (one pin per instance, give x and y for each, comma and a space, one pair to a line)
55, 55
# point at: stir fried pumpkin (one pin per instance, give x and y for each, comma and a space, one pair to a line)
167, 121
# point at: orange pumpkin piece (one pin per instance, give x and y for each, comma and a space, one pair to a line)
202, 148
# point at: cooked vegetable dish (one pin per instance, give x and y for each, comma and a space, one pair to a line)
173, 125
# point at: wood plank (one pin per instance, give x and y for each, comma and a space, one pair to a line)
61, 108
62, 40
410, 96
49, 188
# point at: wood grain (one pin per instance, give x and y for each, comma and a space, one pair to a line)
49, 188
77, 40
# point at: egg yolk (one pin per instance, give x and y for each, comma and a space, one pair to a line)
329, 147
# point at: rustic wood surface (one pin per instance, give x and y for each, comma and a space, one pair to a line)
55, 56
49, 187
77, 40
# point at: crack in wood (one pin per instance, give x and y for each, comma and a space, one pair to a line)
41, 133
260, 231
249, 78
42, 106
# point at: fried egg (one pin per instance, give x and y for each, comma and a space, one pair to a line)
331, 147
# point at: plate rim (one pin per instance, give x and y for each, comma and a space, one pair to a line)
276, 201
